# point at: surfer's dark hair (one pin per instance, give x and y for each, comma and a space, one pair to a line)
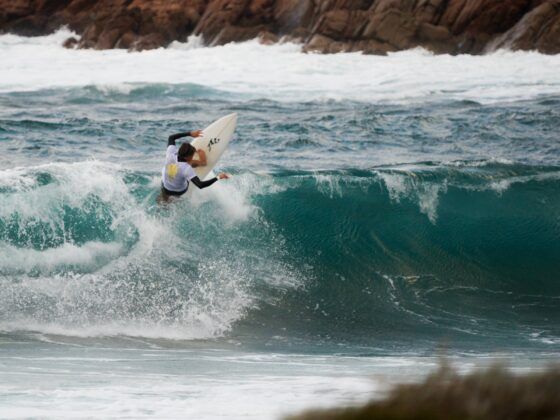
186, 151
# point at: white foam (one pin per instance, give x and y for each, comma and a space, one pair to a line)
406, 185
328, 185
149, 280
13, 259
281, 72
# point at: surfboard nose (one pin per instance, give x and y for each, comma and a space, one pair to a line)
233, 117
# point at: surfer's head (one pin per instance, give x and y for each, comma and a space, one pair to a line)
186, 152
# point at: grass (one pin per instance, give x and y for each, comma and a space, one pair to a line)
492, 394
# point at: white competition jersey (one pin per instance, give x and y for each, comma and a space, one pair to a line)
176, 175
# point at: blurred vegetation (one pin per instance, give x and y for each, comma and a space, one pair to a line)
492, 394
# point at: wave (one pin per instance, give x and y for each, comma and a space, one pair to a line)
280, 72
85, 247
465, 250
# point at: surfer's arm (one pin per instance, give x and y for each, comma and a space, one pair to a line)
201, 161
203, 184
171, 139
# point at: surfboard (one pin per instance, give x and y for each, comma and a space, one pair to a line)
214, 141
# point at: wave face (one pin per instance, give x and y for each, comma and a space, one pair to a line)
415, 209
463, 251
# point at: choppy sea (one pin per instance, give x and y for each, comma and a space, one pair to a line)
383, 212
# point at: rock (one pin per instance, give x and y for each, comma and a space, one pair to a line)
126, 41
333, 23
372, 26
298, 35
108, 39
318, 43
436, 38
373, 47
540, 28
32, 25
428, 32
393, 27
148, 42
231, 33
219, 15
70, 43
268, 38
291, 15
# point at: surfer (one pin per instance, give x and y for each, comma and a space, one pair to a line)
178, 171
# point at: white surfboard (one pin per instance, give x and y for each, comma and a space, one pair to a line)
214, 141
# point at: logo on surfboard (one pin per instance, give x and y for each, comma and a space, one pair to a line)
212, 142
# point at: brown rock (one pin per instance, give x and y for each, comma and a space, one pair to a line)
429, 11
290, 15
32, 25
219, 14
148, 42
333, 23
268, 38
231, 33
373, 47
372, 26
298, 35
483, 16
318, 43
70, 43
108, 39
428, 32
539, 29
393, 27
126, 41
90, 36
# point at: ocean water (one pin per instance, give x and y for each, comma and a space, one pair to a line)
383, 211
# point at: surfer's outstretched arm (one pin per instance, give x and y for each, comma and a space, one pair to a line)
171, 139
203, 184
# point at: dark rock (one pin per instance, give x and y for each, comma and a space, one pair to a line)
70, 43
231, 33
372, 26
538, 29
318, 43
32, 25
291, 15
126, 40
393, 27
108, 39
268, 38
373, 47
298, 35
148, 42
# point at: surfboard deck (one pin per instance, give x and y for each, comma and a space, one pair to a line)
214, 141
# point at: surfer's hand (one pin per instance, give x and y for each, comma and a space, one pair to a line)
223, 175
196, 133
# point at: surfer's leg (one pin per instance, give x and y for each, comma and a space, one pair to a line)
162, 198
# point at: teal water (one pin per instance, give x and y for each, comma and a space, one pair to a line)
345, 223
383, 211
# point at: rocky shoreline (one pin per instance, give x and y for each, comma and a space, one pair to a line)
326, 26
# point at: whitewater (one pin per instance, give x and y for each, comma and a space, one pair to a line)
281, 72
382, 211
